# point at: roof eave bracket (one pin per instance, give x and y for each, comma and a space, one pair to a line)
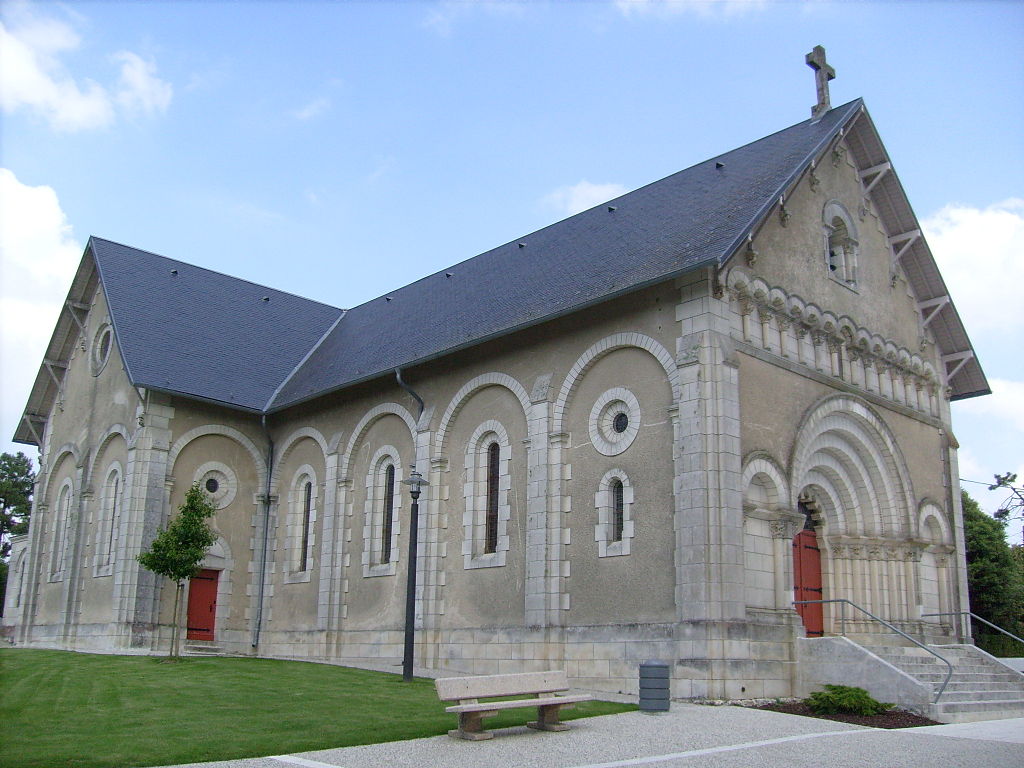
932, 307
960, 358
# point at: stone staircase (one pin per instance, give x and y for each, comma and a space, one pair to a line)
981, 688
202, 648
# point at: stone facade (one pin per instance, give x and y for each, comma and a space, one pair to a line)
749, 392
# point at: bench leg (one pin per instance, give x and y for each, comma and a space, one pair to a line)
547, 718
471, 727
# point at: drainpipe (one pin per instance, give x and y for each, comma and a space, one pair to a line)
266, 535
407, 388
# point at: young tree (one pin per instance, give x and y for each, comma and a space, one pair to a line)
16, 481
995, 577
178, 549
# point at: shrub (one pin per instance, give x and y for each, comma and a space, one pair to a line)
845, 700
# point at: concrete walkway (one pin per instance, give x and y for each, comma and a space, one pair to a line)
689, 736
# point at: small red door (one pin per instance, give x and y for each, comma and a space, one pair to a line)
202, 605
807, 581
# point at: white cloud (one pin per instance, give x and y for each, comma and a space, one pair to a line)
662, 8
313, 109
443, 15
979, 252
581, 196
38, 257
34, 78
139, 89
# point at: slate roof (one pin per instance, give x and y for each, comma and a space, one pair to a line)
695, 217
187, 330
192, 331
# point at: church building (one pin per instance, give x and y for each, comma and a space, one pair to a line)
646, 430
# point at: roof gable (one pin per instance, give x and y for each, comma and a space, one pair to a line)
188, 330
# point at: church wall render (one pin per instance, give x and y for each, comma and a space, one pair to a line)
746, 391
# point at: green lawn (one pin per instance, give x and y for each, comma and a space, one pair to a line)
62, 709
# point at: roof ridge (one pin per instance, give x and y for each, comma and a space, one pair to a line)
810, 121
273, 395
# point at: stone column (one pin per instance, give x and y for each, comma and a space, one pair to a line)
538, 421
145, 508
332, 551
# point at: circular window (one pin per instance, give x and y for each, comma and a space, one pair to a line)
102, 343
614, 421
218, 482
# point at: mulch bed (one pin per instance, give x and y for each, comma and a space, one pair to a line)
894, 718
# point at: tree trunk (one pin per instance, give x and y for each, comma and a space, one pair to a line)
176, 623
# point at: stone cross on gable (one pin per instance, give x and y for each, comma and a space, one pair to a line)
822, 74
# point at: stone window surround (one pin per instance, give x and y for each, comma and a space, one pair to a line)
108, 515
293, 528
226, 480
606, 440
603, 503
474, 516
102, 344
385, 456
61, 521
845, 272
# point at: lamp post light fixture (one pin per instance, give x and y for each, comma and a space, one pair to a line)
415, 483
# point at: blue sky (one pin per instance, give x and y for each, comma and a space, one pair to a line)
338, 150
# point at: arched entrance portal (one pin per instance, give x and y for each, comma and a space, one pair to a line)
807, 576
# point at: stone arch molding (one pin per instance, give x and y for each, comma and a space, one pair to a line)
289, 443
229, 432
112, 432
850, 458
930, 510
604, 347
372, 415
493, 379
58, 456
762, 470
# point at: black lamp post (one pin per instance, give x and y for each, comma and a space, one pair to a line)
415, 483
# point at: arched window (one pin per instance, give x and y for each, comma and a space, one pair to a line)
300, 531
387, 513
840, 244
486, 493
307, 506
381, 518
109, 517
20, 576
491, 532
614, 502
61, 520
618, 508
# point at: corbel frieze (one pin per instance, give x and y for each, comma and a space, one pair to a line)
792, 316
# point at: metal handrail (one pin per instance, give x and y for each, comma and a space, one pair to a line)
977, 617
842, 630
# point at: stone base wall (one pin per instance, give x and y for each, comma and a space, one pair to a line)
734, 660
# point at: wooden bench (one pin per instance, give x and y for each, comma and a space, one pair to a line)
546, 687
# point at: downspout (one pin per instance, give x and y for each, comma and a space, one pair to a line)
407, 388
266, 534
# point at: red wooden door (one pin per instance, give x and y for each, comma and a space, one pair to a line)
202, 605
807, 581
